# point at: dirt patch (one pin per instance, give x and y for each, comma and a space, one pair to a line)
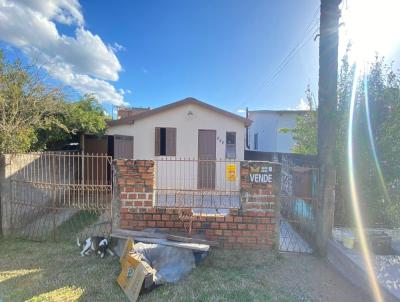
315, 278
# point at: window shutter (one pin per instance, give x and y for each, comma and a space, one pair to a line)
157, 142
171, 141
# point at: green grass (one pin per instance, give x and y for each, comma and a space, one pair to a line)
55, 272
75, 224
51, 271
228, 276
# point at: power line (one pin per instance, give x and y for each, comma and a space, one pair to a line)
308, 33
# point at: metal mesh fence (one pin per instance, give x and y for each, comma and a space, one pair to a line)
197, 183
58, 195
297, 226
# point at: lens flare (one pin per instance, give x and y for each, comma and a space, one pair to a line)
371, 140
355, 201
371, 26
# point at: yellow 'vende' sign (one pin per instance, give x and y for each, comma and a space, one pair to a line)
230, 172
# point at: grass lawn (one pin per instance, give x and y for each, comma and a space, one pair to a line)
56, 272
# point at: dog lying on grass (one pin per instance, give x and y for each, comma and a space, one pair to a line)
97, 244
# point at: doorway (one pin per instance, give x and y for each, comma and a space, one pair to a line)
207, 156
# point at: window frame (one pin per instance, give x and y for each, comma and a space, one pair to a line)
255, 141
169, 139
230, 145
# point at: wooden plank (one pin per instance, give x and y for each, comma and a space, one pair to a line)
184, 245
191, 240
119, 233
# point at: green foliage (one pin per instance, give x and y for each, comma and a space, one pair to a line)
84, 116
381, 92
35, 116
305, 132
26, 105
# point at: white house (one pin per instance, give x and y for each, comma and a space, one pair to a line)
264, 133
188, 128
193, 144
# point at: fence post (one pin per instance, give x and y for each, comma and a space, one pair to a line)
115, 200
278, 195
2, 180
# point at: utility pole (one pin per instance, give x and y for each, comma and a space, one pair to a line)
327, 108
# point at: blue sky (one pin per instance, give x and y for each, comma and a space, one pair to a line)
221, 51
153, 52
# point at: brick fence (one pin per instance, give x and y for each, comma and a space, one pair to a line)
252, 226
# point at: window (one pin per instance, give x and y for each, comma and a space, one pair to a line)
256, 141
165, 141
230, 151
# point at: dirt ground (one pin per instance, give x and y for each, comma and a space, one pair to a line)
317, 278
56, 272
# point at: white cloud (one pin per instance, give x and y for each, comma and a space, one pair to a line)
118, 47
103, 90
63, 11
81, 61
303, 105
241, 111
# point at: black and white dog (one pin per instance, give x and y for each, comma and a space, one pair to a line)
100, 245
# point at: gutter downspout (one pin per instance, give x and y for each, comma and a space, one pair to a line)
247, 130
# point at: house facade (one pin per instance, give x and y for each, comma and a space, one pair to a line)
193, 145
185, 129
265, 133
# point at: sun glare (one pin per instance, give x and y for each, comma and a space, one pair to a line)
372, 26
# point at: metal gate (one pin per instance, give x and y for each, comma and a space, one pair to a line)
176, 185
298, 199
60, 195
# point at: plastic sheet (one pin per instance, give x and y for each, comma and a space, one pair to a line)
170, 263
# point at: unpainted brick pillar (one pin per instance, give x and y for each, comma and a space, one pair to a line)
133, 190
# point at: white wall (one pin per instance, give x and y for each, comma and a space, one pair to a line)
267, 124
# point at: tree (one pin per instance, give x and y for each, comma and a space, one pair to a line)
305, 132
35, 116
27, 104
84, 116
381, 91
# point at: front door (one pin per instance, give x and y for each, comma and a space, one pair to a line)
207, 156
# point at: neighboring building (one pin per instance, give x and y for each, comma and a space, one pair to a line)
188, 128
264, 133
124, 112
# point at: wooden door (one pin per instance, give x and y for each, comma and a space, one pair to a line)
123, 147
207, 156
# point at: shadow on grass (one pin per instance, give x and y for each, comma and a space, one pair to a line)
223, 276
56, 270
73, 226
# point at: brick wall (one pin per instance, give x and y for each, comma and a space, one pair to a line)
251, 226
